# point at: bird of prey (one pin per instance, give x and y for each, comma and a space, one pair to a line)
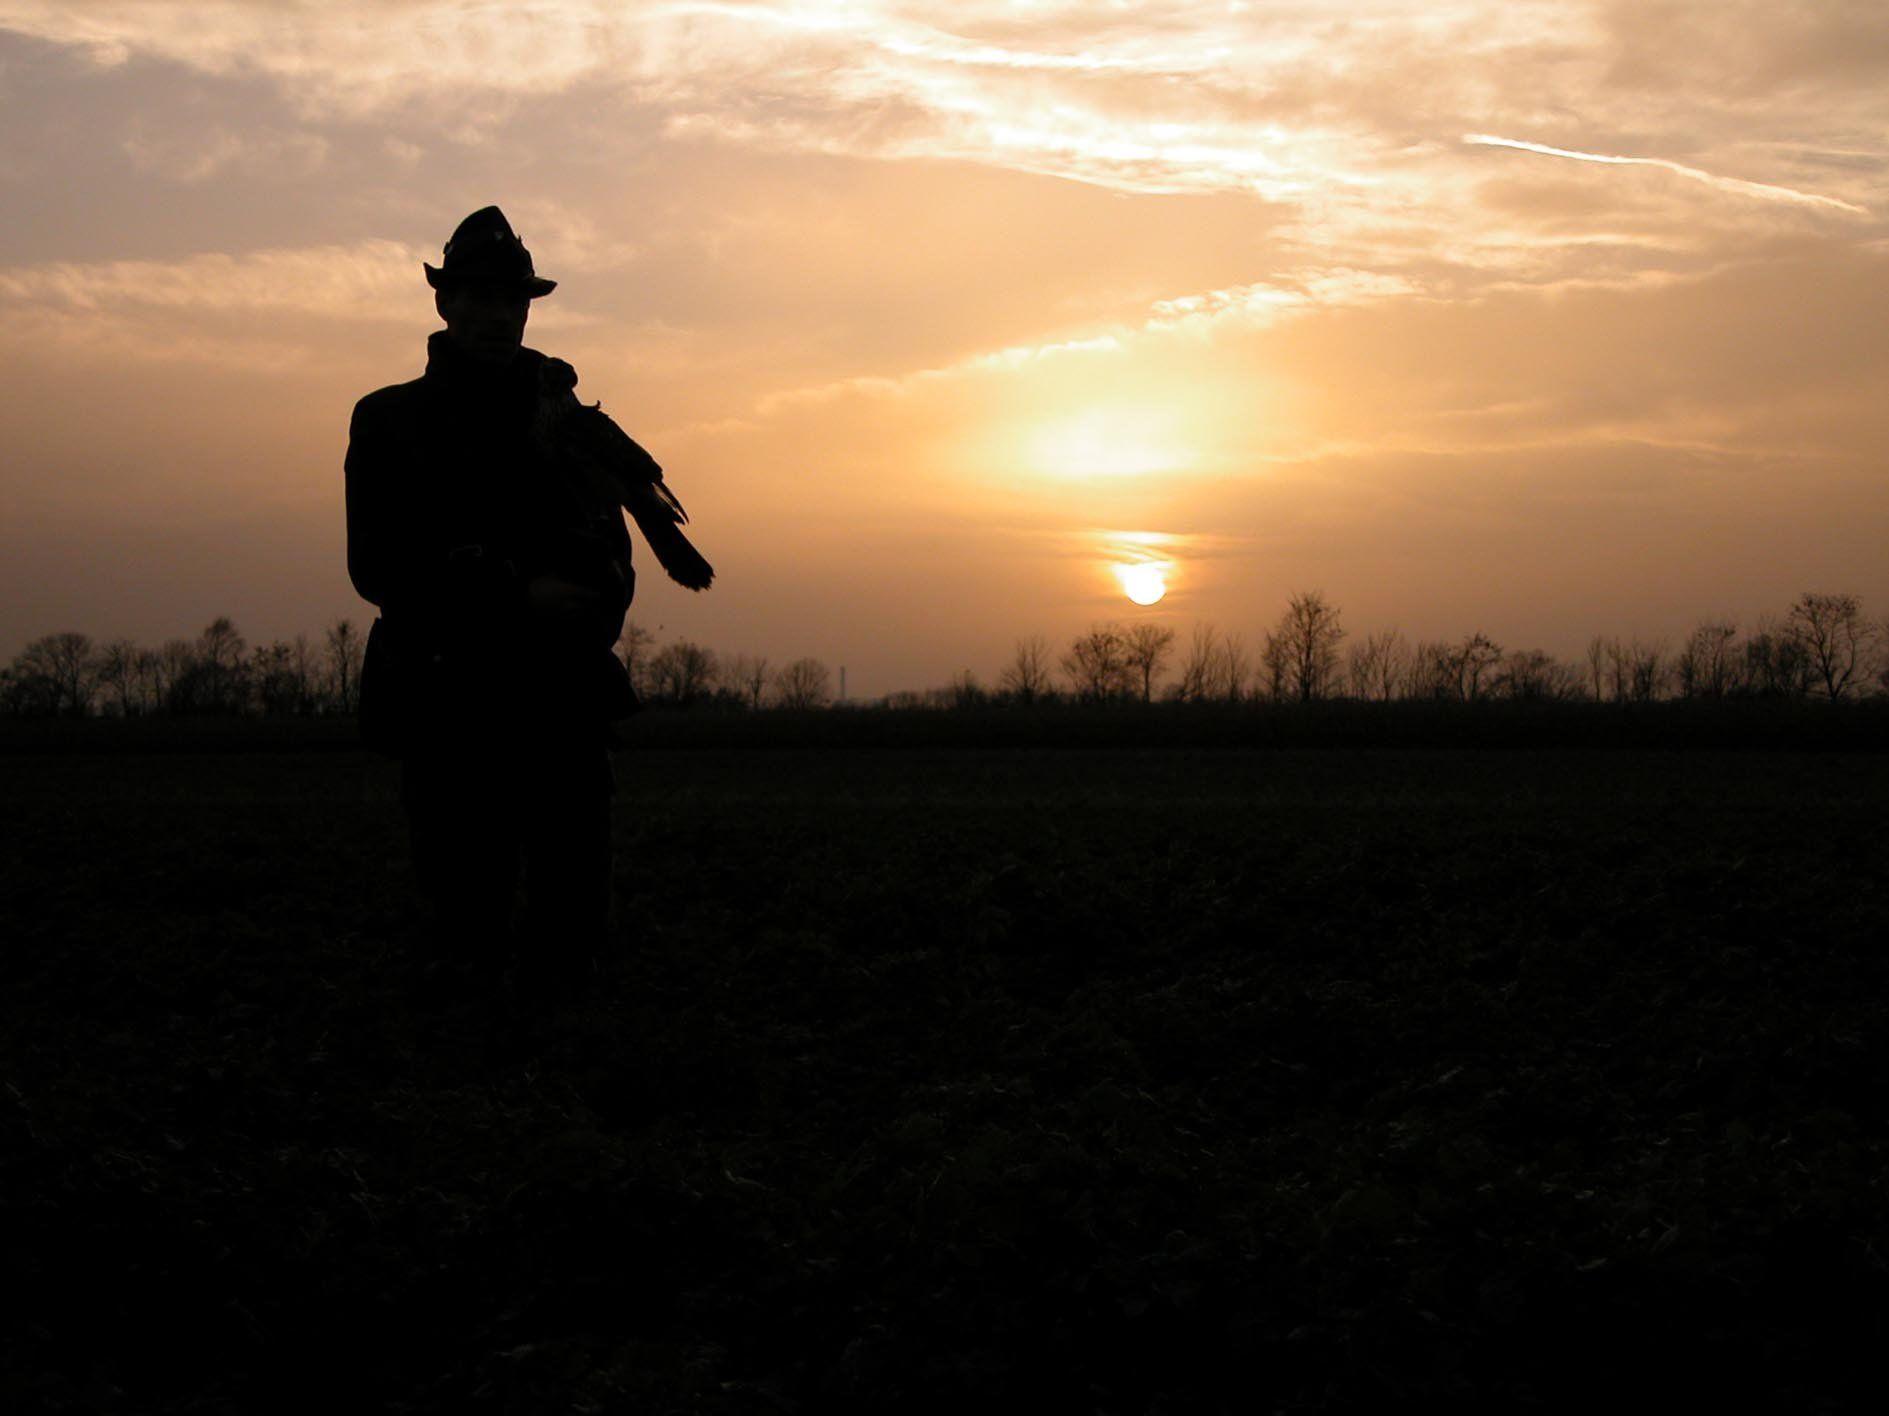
587, 440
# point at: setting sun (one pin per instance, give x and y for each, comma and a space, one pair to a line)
1145, 584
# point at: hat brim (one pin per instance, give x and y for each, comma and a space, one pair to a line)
532, 285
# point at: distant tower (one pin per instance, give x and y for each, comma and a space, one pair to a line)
842, 683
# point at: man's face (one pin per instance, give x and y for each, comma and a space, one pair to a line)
485, 319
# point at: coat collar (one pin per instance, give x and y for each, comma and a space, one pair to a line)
448, 368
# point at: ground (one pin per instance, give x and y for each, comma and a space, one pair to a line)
1101, 1079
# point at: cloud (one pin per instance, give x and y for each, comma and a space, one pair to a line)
350, 56
1763, 190
367, 280
565, 237
194, 154
256, 311
1345, 123
1201, 316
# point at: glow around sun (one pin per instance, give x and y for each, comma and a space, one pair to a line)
1109, 442
1144, 583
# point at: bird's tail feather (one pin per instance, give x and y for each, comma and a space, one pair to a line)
674, 552
669, 499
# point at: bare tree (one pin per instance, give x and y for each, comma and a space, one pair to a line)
1835, 638
1646, 676
964, 691
1706, 665
1360, 666
176, 661
118, 674
1274, 669
1533, 675
756, 682
1026, 677
66, 665
57, 673
274, 672
1461, 672
25, 692
1434, 671
805, 683
218, 679
1776, 663
1476, 660
1302, 650
747, 675
149, 668
344, 646
1393, 664
682, 672
1624, 660
220, 646
1097, 663
634, 646
1198, 668
75, 669
1597, 660
1377, 665
1146, 651
1217, 666
305, 668
1233, 666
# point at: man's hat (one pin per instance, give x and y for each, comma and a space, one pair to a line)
485, 248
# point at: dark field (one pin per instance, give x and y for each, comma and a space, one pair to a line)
1091, 1080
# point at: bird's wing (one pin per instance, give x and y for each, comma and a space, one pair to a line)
593, 438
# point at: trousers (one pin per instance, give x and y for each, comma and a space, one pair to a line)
482, 820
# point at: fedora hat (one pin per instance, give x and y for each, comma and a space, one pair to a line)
484, 247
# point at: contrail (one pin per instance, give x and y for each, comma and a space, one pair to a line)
1711, 179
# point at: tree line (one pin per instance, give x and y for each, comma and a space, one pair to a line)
684, 674
1824, 647
219, 673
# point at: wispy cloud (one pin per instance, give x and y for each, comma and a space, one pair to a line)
370, 280
1203, 315
1263, 302
373, 280
255, 311
1343, 121
1764, 191
193, 154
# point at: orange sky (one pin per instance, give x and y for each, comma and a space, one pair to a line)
937, 312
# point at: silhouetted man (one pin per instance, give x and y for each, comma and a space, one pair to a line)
502, 573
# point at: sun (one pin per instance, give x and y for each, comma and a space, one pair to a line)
1144, 583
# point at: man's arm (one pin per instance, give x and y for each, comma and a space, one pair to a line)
374, 512
446, 594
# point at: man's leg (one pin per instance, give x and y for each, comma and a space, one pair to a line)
568, 865
464, 833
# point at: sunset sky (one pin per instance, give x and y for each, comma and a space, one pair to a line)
1538, 319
